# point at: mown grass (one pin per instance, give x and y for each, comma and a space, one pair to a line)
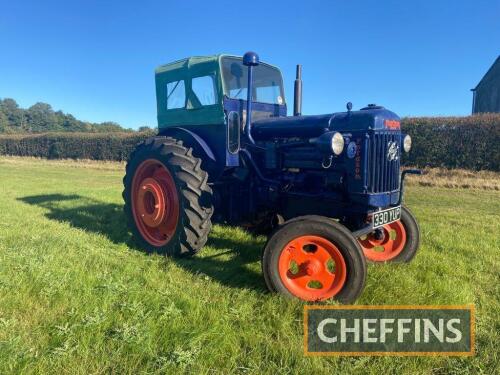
77, 297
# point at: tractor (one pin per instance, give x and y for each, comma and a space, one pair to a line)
326, 189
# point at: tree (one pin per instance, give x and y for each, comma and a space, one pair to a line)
71, 124
41, 118
14, 114
144, 128
4, 122
109, 126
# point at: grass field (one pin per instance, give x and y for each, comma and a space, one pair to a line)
77, 297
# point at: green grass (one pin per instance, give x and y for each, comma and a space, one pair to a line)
77, 297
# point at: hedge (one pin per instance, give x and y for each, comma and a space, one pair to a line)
471, 142
95, 146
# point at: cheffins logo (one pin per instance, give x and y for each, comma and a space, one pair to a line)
389, 330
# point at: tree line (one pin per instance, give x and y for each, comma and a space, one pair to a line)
41, 118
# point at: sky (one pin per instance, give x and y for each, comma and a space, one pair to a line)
96, 59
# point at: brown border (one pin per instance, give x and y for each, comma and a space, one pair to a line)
471, 308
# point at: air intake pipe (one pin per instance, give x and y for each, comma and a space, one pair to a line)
250, 59
297, 92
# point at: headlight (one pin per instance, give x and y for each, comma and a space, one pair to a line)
337, 143
407, 143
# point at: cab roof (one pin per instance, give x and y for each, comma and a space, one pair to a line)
193, 61
187, 62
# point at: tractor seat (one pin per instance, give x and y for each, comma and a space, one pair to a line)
290, 127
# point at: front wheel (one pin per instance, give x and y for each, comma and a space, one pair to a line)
396, 242
314, 260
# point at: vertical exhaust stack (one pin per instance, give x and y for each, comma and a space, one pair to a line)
297, 92
250, 59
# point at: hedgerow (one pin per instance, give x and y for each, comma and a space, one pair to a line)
471, 142
94, 146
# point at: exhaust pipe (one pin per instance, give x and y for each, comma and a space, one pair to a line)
297, 92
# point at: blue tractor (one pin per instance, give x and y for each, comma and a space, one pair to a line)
326, 189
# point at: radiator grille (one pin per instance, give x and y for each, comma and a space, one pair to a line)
383, 174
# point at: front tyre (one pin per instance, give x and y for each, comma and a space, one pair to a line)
314, 260
168, 203
397, 242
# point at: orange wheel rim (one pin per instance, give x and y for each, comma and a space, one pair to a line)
389, 246
312, 268
155, 204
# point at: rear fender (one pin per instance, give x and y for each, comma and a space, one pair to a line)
200, 149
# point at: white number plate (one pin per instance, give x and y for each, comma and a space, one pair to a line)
390, 215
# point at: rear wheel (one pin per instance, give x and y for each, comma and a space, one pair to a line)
168, 203
314, 260
395, 242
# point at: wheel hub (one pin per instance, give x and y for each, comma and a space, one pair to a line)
151, 203
384, 243
312, 267
155, 202
303, 267
379, 234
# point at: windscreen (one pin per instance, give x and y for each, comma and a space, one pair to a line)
267, 81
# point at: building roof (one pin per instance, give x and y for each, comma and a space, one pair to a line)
497, 61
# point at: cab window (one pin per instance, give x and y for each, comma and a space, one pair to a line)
267, 81
176, 94
205, 90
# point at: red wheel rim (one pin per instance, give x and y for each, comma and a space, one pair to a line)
155, 204
388, 246
312, 268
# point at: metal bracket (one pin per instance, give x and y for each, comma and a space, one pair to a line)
402, 181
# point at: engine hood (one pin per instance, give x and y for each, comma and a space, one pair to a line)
368, 118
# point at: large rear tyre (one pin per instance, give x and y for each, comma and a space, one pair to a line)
314, 260
168, 203
396, 242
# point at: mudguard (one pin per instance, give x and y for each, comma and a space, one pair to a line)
200, 149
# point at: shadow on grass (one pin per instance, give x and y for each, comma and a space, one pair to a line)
228, 265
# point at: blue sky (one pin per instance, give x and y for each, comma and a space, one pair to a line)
96, 59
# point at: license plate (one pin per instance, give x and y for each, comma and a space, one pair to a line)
390, 215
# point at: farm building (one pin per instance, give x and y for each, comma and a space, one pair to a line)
486, 95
